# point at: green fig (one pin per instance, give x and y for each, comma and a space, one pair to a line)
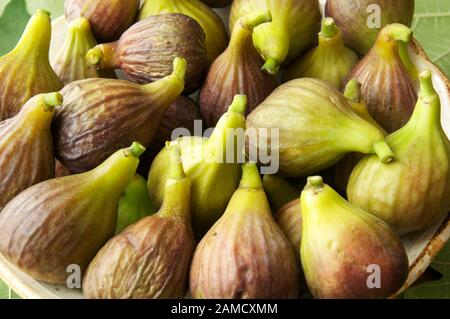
99, 116
245, 255
316, 127
108, 18
26, 71
387, 85
291, 32
279, 191
60, 224
70, 63
26, 146
146, 50
412, 193
151, 258
205, 161
215, 32
361, 20
330, 61
134, 204
237, 71
345, 251
218, 3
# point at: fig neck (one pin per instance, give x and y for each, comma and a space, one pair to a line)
407, 62
387, 41
40, 110
250, 177
104, 56
80, 35
243, 29
171, 86
330, 35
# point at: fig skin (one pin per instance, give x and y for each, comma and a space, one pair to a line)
339, 242
70, 64
279, 191
92, 124
289, 219
146, 50
246, 241
61, 170
291, 32
108, 18
387, 86
314, 138
218, 3
211, 23
412, 193
151, 258
65, 221
352, 18
237, 71
26, 146
25, 71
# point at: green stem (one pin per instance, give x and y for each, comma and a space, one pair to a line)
136, 150
239, 104
406, 59
51, 100
329, 28
315, 184
384, 152
399, 32
250, 176
104, 56
426, 85
176, 165
271, 66
244, 28
352, 91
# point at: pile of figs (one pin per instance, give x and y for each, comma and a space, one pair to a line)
146, 192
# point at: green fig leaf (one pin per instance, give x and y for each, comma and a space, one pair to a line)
12, 23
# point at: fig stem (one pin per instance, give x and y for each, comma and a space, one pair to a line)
329, 28
179, 68
136, 149
426, 85
43, 11
252, 20
52, 99
94, 56
271, 66
352, 91
239, 104
315, 181
80, 24
399, 32
250, 176
176, 166
406, 59
384, 152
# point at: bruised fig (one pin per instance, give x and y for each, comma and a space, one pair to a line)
146, 50
218, 3
151, 258
99, 116
134, 204
314, 138
291, 32
361, 20
412, 193
245, 255
70, 63
387, 86
279, 191
26, 71
346, 252
331, 61
289, 219
206, 161
64, 221
108, 18
26, 146
211, 23
237, 71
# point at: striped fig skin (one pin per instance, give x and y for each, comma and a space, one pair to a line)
108, 18
150, 259
289, 219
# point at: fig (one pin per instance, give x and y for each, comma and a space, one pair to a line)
146, 50
346, 252
108, 18
361, 20
330, 61
134, 204
211, 23
206, 161
93, 123
26, 146
60, 224
311, 138
237, 71
245, 255
61, 170
70, 62
26, 71
291, 32
279, 191
387, 87
412, 193
151, 258
289, 219
218, 3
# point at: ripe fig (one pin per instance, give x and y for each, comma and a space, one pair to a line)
218, 3
361, 20
345, 251
289, 219
93, 123
387, 86
412, 193
26, 146
245, 255
134, 204
314, 138
206, 161
237, 71
279, 191
108, 18
61, 170
151, 258
291, 32
63, 222
330, 61
70, 63
146, 50
26, 71
211, 23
